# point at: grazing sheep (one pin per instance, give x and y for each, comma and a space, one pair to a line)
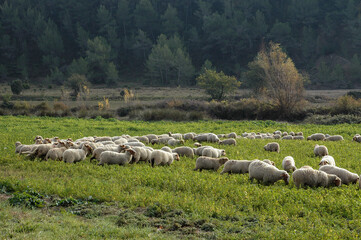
209, 163
258, 136
102, 139
162, 140
151, 137
346, 176
357, 138
266, 173
236, 166
96, 152
159, 157
197, 144
212, 138
201, 137
198, 151
221, 135
327, 160
141, 154
110, 157
135, 144
188, 136
307, 176
133, 140
177, 136
41, 150
245, 134
213, 152
251, 137
120, 141
299, 134
167, 149
143, 139
277, 136
292, 133
320, 150
287, 137
174, 142
269, 162
277, 132
184, 151
229, 141
231, 135
288, 164
317, 137
55, 154
272, 147
298, 137
334, 138
76, 155
18, 146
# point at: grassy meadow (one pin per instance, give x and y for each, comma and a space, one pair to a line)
137, 201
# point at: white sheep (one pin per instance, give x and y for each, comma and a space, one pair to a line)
357, 138
236, 166
346, 176
307, 176
287, 137
334, 138
184, 151
320, 150
272, 147
143, 139
96, 152
174, 142
188, 136
231, 135
55, 154
266, 173
229, 141
198, 151
288, 164
201, 137
298, 137
212, 138
213, 152
159, 157
327, 160
209, 163
277, 136
167, 149
178, 136
269, 162
151, 137
135, 144
317, 137
76, 155
120, 141
110, 157
141, 154
102, 139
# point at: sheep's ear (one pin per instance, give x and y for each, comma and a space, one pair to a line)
131, 151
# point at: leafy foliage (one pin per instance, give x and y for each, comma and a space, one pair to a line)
217, 85
29, 199
16, 86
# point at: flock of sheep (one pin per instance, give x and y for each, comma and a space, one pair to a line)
125, 149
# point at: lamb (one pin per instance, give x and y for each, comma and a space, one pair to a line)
110, 157
55, 154
288, 164
159, 157
213, 152
327, 160
209, 163
317, 137
320, 150
229, 141
212, 138
307, 176
76, 155
346, 176
18, 146
184, 151
174, 142
236, 166
231, 135
272, 147
167, 149
266, 173
334, 138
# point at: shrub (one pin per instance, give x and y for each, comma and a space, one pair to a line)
354, 94
347, 105
16, 86
60, 106
29, 199
67, 202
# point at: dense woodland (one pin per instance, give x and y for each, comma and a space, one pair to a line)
166, 42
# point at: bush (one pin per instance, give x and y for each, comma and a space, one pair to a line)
347, 105
16, 86
29, 199
354, 94
332, 120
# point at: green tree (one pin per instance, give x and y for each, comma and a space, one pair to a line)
171, 24
282, 81
146, 17
217, 85
78, 83
16, 86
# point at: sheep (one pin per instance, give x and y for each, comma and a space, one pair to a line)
251, 137
266, 173
198, 151
18, 146
299, 134
96, 152
288, 164
213, 152
102, 139
292, 133
277, 132
135, 144
159, 157
307, 176
76, 155
55, 154
197, 144
163, 140
258, 136
24, 149
272, 147
284, 134
174, 142
317, 137
221, 135
229, 141
277, 136
357, 138
269, 162
320, 150
212, 138
209, 163
231, 135
327, 160
184, 151
236, 166
167, 149
245, 134
201, 137
141, 154
151, 137
41, 150
287, 137
188, 136
346, 176
334, 138
133, 140
120, 141
298, 137
176, 135
110, 157
143, 139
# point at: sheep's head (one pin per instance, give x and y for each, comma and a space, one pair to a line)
181, 142
356, 178
46, 140
154, 141
265, 147
131, 151
17, 143
324, 162
337, 181
87, 148
197, 144
223, 160
176, 156
286, 177
223, 152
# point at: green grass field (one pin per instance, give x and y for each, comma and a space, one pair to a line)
137, 201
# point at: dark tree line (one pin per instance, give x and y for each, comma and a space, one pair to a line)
166, 42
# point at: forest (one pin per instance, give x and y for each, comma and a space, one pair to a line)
166, 42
